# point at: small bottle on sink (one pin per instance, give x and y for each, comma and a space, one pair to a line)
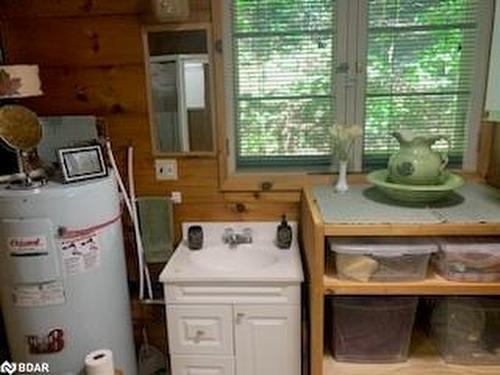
284, 234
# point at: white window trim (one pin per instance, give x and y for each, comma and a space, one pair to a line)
227, 53
478, 90
350, 94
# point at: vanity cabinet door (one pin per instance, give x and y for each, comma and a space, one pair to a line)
202, 365
267, 340
203, 329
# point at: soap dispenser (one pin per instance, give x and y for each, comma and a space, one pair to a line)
284, 234
195, 237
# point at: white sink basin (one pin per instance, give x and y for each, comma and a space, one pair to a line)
258, 261
233, 259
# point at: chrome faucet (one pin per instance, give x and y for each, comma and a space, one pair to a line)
232, 238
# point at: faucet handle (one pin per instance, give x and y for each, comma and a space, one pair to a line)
228, 233
247, 233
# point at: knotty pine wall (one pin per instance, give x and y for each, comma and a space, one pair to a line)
91, 62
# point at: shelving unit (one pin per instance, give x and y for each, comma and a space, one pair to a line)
314, 232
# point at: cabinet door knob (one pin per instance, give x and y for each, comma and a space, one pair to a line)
239, 317
197, 336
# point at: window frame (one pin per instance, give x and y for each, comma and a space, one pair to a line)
352, 19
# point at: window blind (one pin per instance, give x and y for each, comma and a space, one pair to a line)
420, 68
283, 57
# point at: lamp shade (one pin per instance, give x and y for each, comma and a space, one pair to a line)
19, 81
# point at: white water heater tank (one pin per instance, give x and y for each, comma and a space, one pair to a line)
62, 275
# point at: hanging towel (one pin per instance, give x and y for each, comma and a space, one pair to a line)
157, 228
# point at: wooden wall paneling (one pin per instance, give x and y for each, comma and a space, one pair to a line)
199, 9
85, 41
227, 211
196, 173
65, 8
96, 90
263, 197
125, 129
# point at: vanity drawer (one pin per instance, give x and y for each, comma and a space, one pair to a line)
236, 293
197, 365
200, 329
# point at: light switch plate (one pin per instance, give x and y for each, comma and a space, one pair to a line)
166, 169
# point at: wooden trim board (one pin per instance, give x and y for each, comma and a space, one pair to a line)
440, 229
312, 240
153, 126
433, 285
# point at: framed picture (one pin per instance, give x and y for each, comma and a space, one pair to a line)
82, 163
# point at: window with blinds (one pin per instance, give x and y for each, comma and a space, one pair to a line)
419, 72
283, 56
391, 64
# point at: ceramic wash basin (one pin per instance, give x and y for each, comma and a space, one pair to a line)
260, 260
240, 257
415, 194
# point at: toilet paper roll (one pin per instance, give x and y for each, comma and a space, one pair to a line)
99, 362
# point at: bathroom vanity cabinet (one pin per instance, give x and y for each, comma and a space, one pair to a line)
479, 218
228, 329
234, 310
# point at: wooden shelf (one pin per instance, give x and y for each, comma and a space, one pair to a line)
440, 229
314, 232
433, 285
423, 359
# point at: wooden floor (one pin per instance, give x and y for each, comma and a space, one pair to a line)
424, 360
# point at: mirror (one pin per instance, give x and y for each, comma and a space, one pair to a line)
179, 89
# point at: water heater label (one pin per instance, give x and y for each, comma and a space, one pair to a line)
27, 245
45, 294
80, 254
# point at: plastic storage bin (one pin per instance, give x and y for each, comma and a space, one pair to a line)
472, 259
467, 329
372, 329
382, 259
